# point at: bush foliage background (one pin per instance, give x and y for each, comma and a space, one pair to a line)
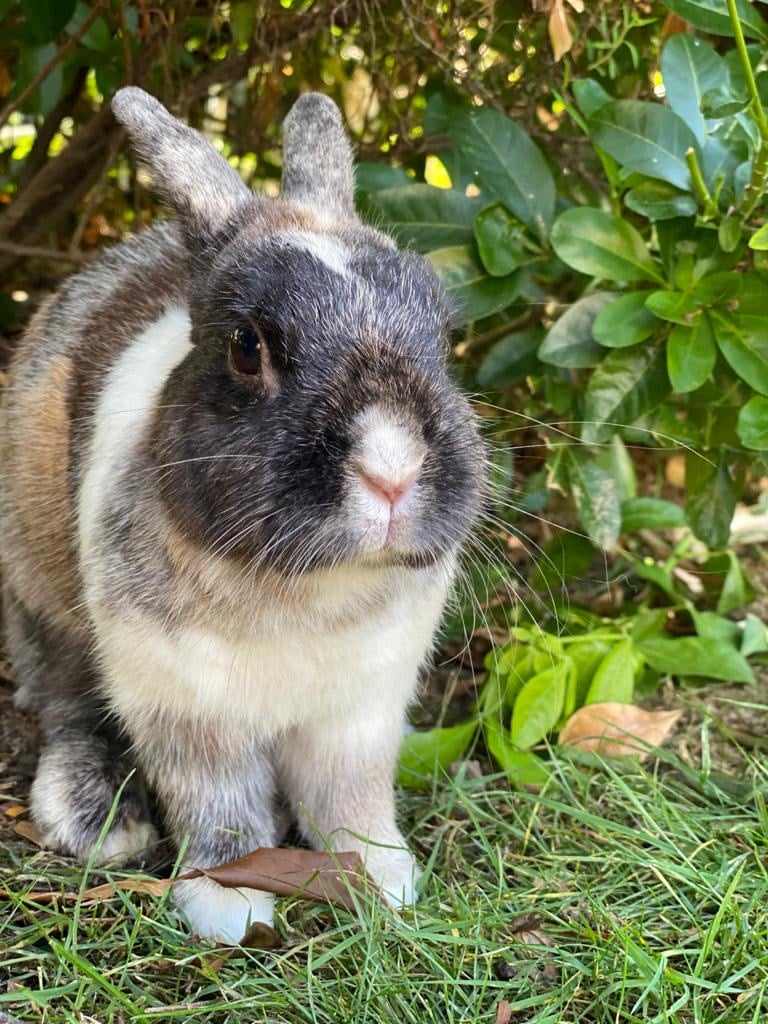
588, 181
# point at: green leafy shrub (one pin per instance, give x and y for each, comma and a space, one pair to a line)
663, 346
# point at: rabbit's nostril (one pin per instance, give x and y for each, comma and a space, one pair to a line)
391, 489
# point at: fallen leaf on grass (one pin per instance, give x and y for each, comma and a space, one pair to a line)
153, 886
503, 1012
325, 877
14, 810
617, 730
526, 928
27, 830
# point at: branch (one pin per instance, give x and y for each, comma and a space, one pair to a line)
43, 73
38, 252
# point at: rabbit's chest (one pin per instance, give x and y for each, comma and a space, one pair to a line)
270, 680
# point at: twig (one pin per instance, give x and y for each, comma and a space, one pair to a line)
126, 40
756, 184
95, 197
699, 185
38, 252
43, 73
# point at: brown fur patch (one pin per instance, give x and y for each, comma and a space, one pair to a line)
45, 575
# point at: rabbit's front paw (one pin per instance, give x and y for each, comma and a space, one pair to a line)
395, 872
220, 914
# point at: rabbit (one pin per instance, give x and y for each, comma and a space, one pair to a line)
237, 479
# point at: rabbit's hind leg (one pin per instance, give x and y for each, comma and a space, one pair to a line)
84, 761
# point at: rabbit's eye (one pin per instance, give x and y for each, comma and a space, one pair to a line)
245, 350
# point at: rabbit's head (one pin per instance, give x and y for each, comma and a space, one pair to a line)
314, 422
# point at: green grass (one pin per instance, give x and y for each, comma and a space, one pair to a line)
648, 887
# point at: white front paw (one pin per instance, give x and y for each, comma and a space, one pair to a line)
395, 872
220, 914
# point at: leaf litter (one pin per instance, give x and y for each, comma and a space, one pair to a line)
618, 730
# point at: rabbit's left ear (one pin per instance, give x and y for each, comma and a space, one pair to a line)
318, 169
186, 170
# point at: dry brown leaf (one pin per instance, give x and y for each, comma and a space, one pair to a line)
617, 730
503, 1012
559, 30
28, 831
14, 810
325, 877
153, 886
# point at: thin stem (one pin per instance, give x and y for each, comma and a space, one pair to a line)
699, 185
754, 190
43, 73
746, 65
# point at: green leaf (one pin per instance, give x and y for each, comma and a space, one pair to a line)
569, 342
743, 340
596, 497
755, 636
712, 16
423, 753
711, 499
499, 238
650, 514
696, 656
539, 705
690, 68
587, 655
752, 425
31, 61
627, 384
759, 240
722, 102
614, 679
523, 768
625, 321
645, 137
509, 167
659, 575
647, 623
737, 591
590, 95
423, 216
691, 355
474, 291
376, 177
753, 293
658, 200
729, 234
512, 357
563, 559
617, 463
675, 307
242, 19
717, 288
602, 245
44, 19
711, 626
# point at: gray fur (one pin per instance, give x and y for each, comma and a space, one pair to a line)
193, 584
186, 170
317, 159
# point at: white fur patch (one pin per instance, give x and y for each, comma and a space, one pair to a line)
274, 674
387, 448
223, 915
124, 410
327, 249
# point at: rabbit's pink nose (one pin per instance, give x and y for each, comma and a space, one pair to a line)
391, 489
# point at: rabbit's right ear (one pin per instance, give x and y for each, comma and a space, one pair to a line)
186, 170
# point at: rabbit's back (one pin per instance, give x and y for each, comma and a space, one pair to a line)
55, 378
